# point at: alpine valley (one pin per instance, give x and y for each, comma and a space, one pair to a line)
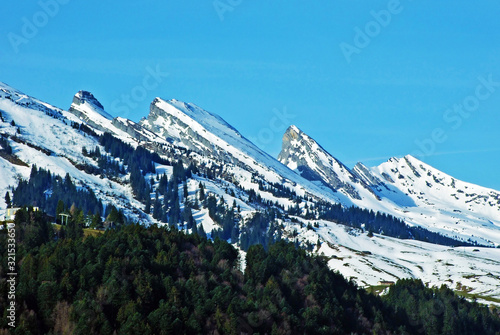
183, 166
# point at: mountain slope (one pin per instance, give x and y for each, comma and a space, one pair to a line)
301, 153
188, 126
89, 110
248, 195
51, 138
439, 201
406, 188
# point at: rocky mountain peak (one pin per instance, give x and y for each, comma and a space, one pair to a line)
86, 97
292, 133
87, 108
304, 155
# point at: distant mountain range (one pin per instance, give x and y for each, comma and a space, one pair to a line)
305, 195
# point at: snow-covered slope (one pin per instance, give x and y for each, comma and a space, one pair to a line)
189, 126
405, 188
43, 135
53, 139
89, 110
436, 200
368, 261
301, 153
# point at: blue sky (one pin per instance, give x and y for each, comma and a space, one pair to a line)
367, 79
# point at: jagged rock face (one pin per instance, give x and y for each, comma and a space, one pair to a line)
131, 128
86, 107
176, 131
83, 96
363, 173
301, 153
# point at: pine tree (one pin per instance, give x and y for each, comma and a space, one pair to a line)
147, 207
186, 193
96, 221
8, 200
115, 216
201, 231
202, 191
195, 227
60, 207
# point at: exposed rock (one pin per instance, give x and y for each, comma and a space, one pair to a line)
88, 109
301, 153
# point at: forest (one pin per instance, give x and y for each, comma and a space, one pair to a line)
159, 280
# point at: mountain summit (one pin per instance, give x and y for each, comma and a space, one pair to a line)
304, 155
87, 108
404, 187
187, 167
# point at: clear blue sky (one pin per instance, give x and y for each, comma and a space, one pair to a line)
253, 61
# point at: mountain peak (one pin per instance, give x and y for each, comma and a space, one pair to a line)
304, 155
85, 103
82, 97
87, 108
292, 133
293, 128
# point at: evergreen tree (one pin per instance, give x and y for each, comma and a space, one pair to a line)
201, 231
157, 209
115, 216
7, 199
186, 193
202, 192
60, 207
96, 221
147, 206
74, 229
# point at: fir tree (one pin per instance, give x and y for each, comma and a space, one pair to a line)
201, 232
96, 221
7, 200
186, 193
202, 192
147, 206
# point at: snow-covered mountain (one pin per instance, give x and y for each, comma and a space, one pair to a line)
54, 139
189, 126
404, 187
301, 153
436, 200
89, 110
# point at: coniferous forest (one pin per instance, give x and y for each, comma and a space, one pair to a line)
137, 280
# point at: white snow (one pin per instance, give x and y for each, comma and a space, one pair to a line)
448, 206
380, 258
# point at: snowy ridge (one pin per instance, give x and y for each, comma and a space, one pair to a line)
403, 187
23, 100
45, 138
94, 106
304, 155
438, 201
90, 111
198, 130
